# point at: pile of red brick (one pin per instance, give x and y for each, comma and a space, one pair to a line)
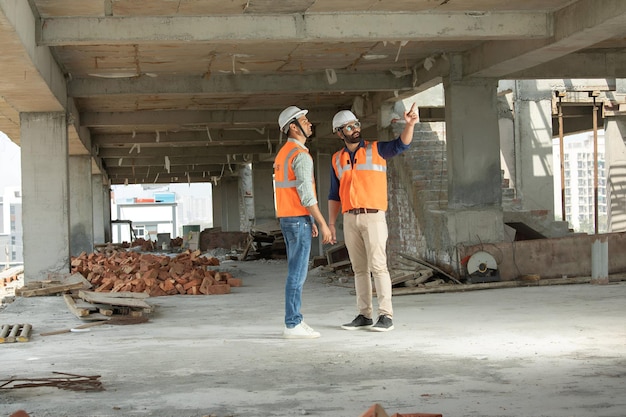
156, 275
8, 280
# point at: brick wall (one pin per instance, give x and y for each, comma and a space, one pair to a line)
417, 184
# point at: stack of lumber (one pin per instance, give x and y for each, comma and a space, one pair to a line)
156, 275
414, 272
55, 284
91, 305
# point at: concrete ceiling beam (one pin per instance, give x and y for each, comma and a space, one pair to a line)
228, 118
241, 83
326, 27
131, 161
180, 151
578, 26
174, 170
217, 137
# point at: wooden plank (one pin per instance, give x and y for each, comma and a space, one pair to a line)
423, 276
78, 312
105, 298
95, 317
433, 267
54, 289
130, 294
499, 284
66, 282
244, 255
398, 277
409, 264
80, 303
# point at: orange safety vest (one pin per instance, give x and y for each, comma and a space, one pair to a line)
364, 184
288, 202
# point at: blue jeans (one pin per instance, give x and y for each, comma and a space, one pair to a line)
297, 233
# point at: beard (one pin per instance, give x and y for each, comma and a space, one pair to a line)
353, 138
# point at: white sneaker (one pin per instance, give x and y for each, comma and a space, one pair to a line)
301, 331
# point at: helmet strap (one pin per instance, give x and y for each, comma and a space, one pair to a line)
300, 127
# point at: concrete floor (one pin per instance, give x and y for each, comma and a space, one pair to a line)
557, 351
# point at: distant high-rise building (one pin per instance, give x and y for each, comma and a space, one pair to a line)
580, 184
11, 242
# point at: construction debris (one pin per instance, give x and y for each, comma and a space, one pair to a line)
156, 275
10, 280
338, 258
70, 382
56, 283
408, 272
265, 241
89, 305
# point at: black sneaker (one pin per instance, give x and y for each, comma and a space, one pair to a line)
360, 322
384, 324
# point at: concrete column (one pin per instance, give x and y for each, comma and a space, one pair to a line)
106, 192
81, 209
473, 144
263, 192
226, 213
45, 202
98, 201
322, 180
615, 166
246, 198
473, 149
534, 180
217, 203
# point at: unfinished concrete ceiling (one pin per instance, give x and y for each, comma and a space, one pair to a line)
200, 83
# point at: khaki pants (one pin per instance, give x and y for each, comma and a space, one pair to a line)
366, 241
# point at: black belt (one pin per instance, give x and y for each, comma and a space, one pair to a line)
362, 210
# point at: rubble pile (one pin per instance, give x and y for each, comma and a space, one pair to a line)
157, 275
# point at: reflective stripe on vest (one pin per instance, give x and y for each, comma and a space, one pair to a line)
285, 183
369, 164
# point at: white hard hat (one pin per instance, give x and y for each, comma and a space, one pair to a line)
343, 118
288, 115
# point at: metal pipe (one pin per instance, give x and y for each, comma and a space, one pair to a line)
595, 166
561, 156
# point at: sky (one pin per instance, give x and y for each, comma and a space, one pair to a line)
10, 164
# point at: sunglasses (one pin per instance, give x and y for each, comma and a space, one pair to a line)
351, 127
